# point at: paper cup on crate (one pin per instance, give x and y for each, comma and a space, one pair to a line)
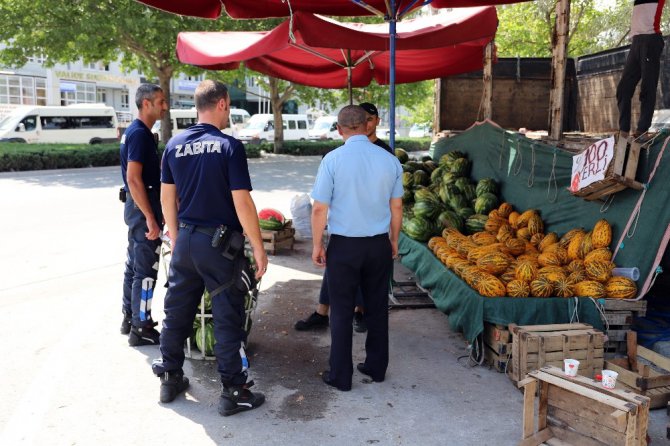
570, 367
609, 379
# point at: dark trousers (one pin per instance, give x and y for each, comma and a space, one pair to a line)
365, 263
194, 266
324, 298
642, 64
142, 254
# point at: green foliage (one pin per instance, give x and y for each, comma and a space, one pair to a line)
22, 157
312, 148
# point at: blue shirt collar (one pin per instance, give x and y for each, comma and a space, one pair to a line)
355, 138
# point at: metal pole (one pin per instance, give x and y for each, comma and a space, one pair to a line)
351, 93
392, 32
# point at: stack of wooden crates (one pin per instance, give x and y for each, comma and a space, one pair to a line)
274, 240
536, 346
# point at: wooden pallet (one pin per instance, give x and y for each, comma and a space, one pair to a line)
620, 173
620, 315
652, 380
534, 346
579, 411
497, 347
274, 240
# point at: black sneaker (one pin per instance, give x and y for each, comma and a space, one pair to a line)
314, 321
364, 370
359, 323
236, 399
172, 384
125, 324
146, 335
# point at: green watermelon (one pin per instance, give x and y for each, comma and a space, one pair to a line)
407, 197
475, 223
485, 203
207, 299
449, 178
460, 167
402, 155
271, 219
425, 158
426, 209
458, 201
407, 180
417, 228
450, 219
421, 178
464, 213
208, 347
436, 175
414, 165
486, 185
424, 194
429, 166
469, 192
462, 183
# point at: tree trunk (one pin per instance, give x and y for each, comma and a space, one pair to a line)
164, 76
277, 105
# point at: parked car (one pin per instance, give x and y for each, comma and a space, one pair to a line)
420, 131
386, 133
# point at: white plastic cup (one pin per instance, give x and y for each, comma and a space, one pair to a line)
570, 366
609, 379
631, 273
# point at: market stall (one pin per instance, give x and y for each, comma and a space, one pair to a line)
533, 175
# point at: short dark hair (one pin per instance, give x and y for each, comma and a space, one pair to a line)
369, 108
145, 91
351, 116
208, 93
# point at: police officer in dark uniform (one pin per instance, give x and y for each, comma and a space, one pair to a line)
207, 205
140, 169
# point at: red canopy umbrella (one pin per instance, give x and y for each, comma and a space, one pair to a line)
324, 53
255, 9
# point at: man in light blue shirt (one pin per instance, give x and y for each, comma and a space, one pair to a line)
358, 193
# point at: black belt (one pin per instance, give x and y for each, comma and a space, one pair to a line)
207, 230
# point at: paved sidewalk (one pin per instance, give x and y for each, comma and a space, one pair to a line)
71, 379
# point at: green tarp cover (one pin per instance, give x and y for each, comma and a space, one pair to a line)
535, 175
467, 310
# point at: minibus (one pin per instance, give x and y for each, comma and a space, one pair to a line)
183, 118
260, 128
325, 128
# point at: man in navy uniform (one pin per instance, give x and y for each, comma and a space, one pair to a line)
140, 169
358, 192
207, 206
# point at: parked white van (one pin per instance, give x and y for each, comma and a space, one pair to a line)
76, 123
325, 128
183, 118
261, 128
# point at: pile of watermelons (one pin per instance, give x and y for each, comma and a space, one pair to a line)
442, 195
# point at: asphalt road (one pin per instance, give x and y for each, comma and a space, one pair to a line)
69, 378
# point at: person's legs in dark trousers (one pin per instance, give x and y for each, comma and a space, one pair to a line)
626, 87
318, 319
375, 277
185, 289
128, 273
344, 258
650, 64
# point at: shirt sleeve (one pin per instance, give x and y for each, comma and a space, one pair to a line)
137, 143
397, 187
238, 168
323, 185
166, 170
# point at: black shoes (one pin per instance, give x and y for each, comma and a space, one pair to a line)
146, 335
125, 324
172, 384
359, 323
314, 321
236, 399
364, 370
325, 376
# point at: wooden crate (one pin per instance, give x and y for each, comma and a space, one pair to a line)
534, 346
579, 411
620, 173
652, 381
274, 240
620, 315
497, 347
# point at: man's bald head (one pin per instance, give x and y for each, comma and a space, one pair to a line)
352, 120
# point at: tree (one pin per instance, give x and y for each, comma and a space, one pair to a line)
144, 37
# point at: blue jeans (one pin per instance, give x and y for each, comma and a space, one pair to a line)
194, 266
142, 255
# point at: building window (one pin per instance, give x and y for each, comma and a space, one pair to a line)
96, 66
77, 93
125, 103
37, 59
101, 97
22, 90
